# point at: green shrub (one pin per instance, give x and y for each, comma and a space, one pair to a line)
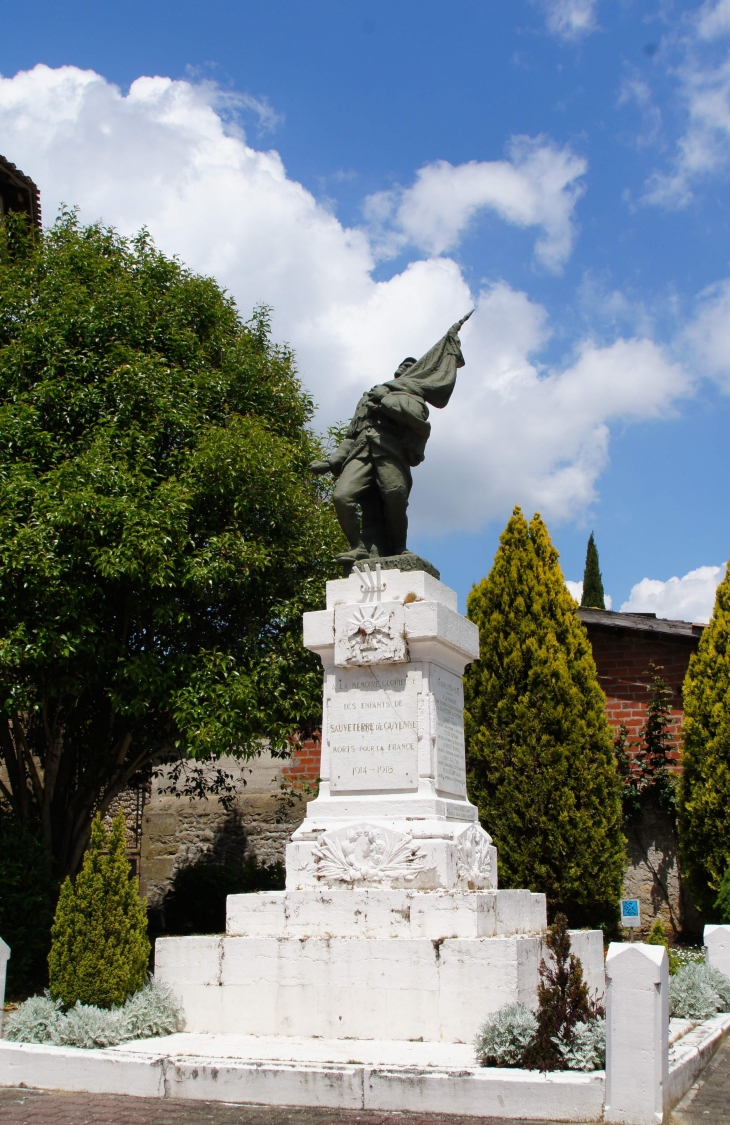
99, 950
27, 897
568, 1032
657, 936
196, 902
704, 789
539, 749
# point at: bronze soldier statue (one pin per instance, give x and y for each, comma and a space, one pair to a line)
386, 438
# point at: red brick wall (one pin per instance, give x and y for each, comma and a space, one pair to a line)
623, 661
623, 658
303, 769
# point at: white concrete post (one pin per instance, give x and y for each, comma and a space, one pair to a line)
717, 948
4, 958
637, 1033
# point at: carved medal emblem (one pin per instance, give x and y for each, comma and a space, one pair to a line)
370, 634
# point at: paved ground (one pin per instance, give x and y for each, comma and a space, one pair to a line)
709, 1098
708, 1102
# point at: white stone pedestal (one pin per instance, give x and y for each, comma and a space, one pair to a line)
392, 809
391, 925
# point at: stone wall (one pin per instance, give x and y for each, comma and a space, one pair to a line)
653, 875
176, 831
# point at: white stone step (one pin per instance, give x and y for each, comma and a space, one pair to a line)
373, 1075
386, 913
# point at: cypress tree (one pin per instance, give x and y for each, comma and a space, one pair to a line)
593, 595
539, 749
704, 788
99, 949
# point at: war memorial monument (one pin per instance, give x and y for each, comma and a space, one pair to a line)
391, 925
363, 984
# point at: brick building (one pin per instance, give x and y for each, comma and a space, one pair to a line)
18, 193
626, 648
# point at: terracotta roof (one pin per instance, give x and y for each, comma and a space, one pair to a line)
640, 623
18, 192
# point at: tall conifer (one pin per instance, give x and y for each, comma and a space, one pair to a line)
593, 595
539, 749
704, 788
99, 950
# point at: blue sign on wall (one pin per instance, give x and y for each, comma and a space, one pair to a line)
630, 912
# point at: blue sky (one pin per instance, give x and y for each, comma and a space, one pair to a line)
371, 169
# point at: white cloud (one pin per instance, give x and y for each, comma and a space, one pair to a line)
704, 88
575, 589
570, 19
708, 334
691, 598
713, 19
514, 432
517, 433
537, 186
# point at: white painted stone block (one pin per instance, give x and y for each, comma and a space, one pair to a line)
375, 1075
487, 1092
637, 1030
689, 1056
396, 586
319, 629
4, 958
717, 948
437, 989
384, 913
266, 1084
433, 621
588, 946
39, 1066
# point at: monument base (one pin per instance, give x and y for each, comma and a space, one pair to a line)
407, 562
425, 966
391, 924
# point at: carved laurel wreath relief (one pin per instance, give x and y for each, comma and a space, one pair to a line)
364, 853
474, 858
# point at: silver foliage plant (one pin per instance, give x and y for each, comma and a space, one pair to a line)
698, 991
152, 1012
588, 1048
507, 1033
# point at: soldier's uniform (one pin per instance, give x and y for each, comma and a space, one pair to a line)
386, 437
384, 441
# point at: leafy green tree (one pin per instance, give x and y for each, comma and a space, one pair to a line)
593, 596
704, 788
27, 896
539, 750
722, 905
160, 534
99, 950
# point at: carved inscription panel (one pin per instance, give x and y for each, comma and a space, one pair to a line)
372, 720
448, 692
